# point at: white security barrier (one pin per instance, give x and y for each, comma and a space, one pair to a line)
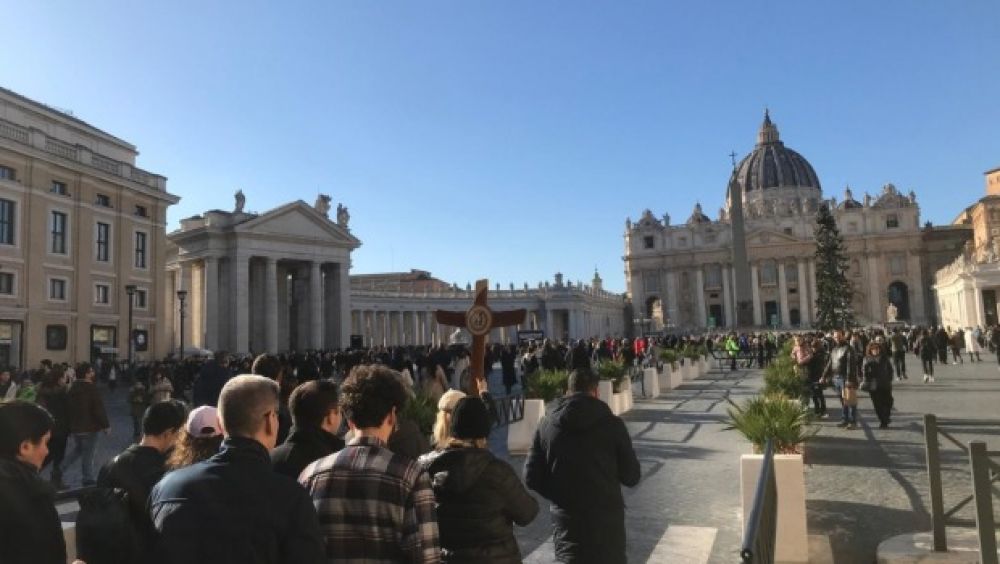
651, 382
521, 433
792, 544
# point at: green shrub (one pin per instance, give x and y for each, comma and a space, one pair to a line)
785, 421
422, 411
611, 370
547, 385
780, 377
669, 356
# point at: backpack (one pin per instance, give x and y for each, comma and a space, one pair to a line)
105, 533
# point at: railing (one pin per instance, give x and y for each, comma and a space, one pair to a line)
761, 529
985, 473
15, 132
59, 148
508, 409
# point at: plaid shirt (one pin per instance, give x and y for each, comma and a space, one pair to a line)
374, 506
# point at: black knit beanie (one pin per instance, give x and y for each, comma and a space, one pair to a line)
470, 420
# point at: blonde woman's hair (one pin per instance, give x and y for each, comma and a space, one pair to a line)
441, 432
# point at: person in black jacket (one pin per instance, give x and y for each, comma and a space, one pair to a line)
211, 378
315, 419
579, 458
136, 470
478, 496
877, 371
233, 507
30, 531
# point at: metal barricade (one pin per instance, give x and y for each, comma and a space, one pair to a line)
508, 409
985, 473
761, 530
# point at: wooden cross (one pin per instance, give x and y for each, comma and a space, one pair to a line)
480, 320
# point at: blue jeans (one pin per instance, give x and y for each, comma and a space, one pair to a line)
84, 447
849, 413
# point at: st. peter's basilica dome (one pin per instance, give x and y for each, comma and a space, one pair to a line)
772, 165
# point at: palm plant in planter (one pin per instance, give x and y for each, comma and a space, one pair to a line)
669, 356
547, 385
612, 370
422, 411
772, 416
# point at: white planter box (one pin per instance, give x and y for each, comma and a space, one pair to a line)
664, 378
521, 433
704, 366
651, 382
688, 370
792, 544
676, 377
69, 535
627, 397
605, 392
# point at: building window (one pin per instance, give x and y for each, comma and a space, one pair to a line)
792, 273
713, 276
102, 294
55, 337
140, 299
59, 221
651, 282
6, 283
103, 241
59, 188
6, 173
891, 221
140, 211
140, 249
897, 265
57, 289
768, 274
103, 200
648, 242
6, 222
788, 231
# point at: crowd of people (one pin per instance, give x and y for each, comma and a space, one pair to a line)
277, 463
309, 458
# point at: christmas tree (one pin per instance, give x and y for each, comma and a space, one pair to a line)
834, 291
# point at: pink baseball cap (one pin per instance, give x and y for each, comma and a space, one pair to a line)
203, 422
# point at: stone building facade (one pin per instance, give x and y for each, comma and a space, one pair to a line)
398, 308
681, 276
79, 224
274, 281
967, 288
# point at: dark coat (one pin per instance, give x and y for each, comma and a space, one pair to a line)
30, 531
580, 457
211, 378
478, 498
136, 470
879, 371
234, 508
86, 408
303, 447
409, 440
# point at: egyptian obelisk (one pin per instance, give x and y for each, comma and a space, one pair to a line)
741, 266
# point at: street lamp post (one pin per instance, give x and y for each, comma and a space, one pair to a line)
130, 290
181, 296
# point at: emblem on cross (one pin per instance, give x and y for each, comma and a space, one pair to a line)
479, 320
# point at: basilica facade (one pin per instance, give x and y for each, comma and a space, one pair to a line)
681, 276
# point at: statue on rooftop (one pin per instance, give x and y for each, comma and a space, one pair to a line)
322, 204
343, 216
241, 201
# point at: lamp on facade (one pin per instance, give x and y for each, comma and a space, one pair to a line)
181, 296
130, 290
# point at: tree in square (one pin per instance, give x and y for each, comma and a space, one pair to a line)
833, 289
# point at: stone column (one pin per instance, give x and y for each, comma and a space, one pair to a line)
271, 304
812, 288
210, 327
977, 318
549, 320
727, 298
701, 316
184, 283
786, 319
804, 309
415, 320
343, 288
241, 275
672, 310
918, 313
874, 290
755, 287
316, 305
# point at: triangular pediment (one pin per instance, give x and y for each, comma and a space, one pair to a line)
769, 237
299, 220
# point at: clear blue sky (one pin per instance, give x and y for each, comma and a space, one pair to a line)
511, 139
